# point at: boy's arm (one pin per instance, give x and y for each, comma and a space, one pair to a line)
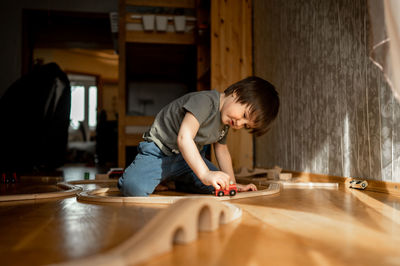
224, 160
225, 163
190, 153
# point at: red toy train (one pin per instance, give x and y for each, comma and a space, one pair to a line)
231, 191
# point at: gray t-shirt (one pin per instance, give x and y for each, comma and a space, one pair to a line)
204, 105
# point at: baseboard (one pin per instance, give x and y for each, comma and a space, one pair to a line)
391, 188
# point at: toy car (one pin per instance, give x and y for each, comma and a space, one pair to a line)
115, 172
360, 184
231, 191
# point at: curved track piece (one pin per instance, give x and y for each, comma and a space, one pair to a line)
93, 181
69, 190
310, 185
177, 224
93, 196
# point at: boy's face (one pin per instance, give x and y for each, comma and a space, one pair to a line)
235, 114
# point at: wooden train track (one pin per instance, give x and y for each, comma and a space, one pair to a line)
177, 224
97, 195
68, 190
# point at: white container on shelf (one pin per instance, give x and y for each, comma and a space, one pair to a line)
148, 22
180, 23
161, 23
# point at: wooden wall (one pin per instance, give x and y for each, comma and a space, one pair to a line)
338, 115
231, 61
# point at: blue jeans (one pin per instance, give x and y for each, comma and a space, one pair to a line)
151, 166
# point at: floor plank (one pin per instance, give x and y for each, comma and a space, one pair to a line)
51, 231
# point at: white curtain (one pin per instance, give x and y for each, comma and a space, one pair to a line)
385, 40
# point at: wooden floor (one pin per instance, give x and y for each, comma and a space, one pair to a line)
304, 226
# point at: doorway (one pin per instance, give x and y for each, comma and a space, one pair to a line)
82, 45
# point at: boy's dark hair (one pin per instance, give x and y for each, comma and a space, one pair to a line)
262, 98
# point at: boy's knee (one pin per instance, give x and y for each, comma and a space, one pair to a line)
130, 187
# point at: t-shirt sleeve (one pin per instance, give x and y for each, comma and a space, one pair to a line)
200, 106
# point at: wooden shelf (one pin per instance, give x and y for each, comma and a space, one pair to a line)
163, 3
157, 37
139, 120
128, 34
133, 139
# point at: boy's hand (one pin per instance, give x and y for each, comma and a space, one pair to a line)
217, 179
247, 187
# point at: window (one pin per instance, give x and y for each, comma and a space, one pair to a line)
77, 106
92, 106
83, 104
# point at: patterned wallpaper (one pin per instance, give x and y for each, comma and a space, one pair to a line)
338, 116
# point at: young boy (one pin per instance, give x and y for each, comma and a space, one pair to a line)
172, 149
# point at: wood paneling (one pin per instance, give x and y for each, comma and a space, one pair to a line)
231, 61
